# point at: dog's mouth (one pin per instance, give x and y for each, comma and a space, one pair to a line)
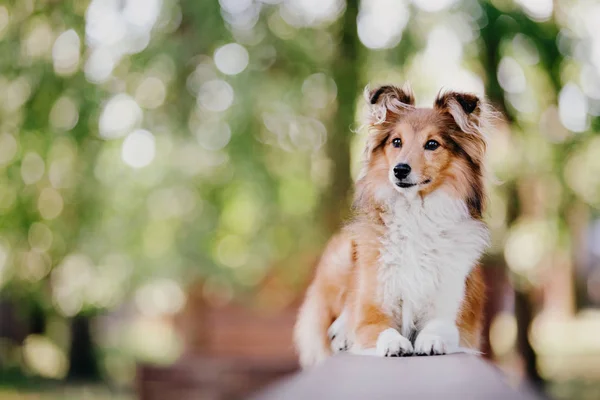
411, 184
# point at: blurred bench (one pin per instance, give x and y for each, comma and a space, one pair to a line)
350, 377
209, 378
230, 351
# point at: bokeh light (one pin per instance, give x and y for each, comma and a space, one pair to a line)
65, 53
32, 168
381, 22
44, 357
216, 95
138, 149
120, 114
231, 59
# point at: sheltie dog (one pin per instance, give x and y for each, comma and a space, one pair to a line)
402, 277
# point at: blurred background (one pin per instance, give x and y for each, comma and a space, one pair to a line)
171, 169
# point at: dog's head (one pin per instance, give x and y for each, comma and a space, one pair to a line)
419, 150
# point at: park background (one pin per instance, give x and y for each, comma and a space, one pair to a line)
171, 169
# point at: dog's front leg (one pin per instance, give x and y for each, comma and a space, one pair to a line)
375, 331
439, 334
338, 333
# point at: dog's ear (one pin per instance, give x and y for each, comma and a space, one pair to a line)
387, 93
388, 102
465, 109
473, 117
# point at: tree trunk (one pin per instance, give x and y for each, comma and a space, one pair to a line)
37, 320
524, 315
495, 282
335, 202
83, 364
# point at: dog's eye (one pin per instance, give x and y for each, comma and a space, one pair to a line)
431, 145
396, 142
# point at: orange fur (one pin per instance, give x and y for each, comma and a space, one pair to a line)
470, 318
325, 297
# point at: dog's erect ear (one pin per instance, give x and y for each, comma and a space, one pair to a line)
386, 93
473, 116
388, 102
466, 109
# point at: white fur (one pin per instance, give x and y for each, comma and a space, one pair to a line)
337, 333
437, 337
430, 247
391, 343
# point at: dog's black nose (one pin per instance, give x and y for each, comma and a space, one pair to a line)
401, 171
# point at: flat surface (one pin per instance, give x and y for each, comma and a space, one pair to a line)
457, 376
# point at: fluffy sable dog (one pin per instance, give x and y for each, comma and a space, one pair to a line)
402, 277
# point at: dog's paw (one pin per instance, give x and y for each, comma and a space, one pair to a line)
340, 343
429, 345
437, 337
337, 335
391, 343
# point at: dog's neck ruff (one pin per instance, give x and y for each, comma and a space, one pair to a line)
429, 247
438, 209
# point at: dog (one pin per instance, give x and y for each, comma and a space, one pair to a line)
402, 277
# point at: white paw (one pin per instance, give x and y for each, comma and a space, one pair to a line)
391, 343
429, 345
337, 335
437, 337
340, 343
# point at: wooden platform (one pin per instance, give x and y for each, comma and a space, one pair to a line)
351, 377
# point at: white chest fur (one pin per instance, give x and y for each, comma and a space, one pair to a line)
430, 247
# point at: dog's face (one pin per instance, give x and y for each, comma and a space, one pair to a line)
417, 150
416, 153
